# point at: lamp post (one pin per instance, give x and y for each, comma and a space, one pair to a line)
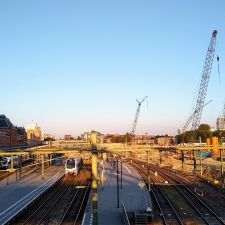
201, 163
222, 170
117, 178
148, 168
102, 173
121, 174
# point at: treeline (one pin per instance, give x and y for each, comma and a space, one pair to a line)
202, 133
126, 138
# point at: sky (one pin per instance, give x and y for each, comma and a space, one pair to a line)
74, 66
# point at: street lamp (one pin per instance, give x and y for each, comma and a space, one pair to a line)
148, 168
121, 174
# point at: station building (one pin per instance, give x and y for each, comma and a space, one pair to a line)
33, 134
8, 132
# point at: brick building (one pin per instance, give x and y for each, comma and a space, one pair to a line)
8, 132
68, 137
21, 136
165, 140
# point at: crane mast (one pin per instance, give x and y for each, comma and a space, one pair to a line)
204, 82
137, 115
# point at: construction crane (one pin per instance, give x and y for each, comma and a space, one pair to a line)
204, 82
137, 115
183, 129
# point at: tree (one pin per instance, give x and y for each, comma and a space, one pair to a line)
49, 139
127, 137
204, 134
192, 136
220, 134
204, 131
204, 127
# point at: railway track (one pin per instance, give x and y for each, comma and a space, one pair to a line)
57, 205
76, 207
168, 213
204, 211
212, 192
204, 214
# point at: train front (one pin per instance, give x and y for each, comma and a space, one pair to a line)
70, 166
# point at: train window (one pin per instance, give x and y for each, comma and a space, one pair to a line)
70, 163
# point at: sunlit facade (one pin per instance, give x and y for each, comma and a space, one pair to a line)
33, 134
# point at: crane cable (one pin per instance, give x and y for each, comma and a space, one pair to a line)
218, 67
218, 60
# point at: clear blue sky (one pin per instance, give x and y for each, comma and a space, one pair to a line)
73, 66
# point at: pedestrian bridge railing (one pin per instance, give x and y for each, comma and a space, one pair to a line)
125, 216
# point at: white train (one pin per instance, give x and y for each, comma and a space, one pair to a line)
73, 165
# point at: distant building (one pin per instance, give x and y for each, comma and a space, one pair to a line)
8, 132
165, 140
33, 134
21, 136
86, 136
220, 123
68, 137
4, 138
143, 139
126, 138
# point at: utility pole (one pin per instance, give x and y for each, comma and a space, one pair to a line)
160, 158
43, 166
12, 163
201, 163
148, 168
182, 160
102, 173
194, 162
94, 196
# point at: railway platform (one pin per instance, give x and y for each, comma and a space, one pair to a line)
16, 193
133, 196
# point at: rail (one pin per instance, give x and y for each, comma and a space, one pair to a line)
125, 217
16, 208
195, 201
